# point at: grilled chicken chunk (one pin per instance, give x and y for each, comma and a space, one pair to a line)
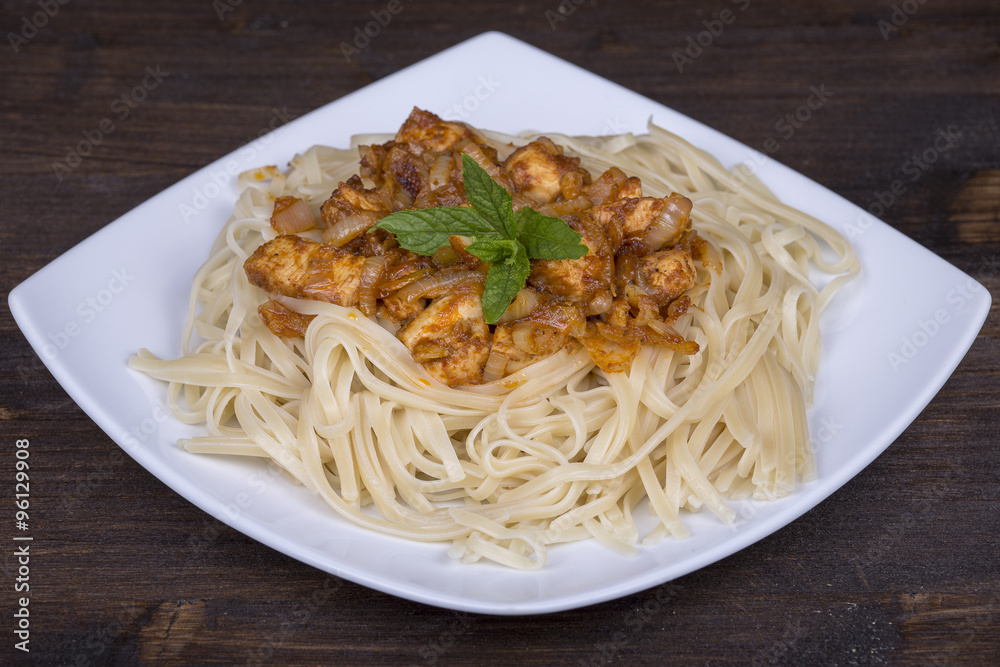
537, 170
450, 337
666, 274
283, 321
580, 279
533, 342
429, 131
293, 266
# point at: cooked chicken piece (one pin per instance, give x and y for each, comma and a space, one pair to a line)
293, 266
410, 166
537, 170
450, 337
635, 215
283, 321
523, 343
352, 198
666, 274
632, 215
579, 279
426, 129
611, 185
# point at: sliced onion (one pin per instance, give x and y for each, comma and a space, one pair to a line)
437, 284
370, 274
670, 224
496, 364
522, 305
565, 207
599, 190
710, 256
669, 337
350, 228
535, 338
473, 150
292, 215
440, 172
397, 284
601, 303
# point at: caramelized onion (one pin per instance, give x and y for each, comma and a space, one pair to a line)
473, 150
388, 288
370, 275
292, 215
346, 230
600, 304
522, 305
670, 225
710, 256
441, 170
535, 338
437, 284
495, 367
666, 335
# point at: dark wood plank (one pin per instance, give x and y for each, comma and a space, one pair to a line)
898, 567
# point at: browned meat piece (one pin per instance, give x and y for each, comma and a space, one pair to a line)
632, 215
352, 198
666, 274
636, 215
579, 279
426, 129
283, 321
293, 266
537, 170
525, 342
450, 337
611, 185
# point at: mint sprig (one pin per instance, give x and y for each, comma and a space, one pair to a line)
505, 240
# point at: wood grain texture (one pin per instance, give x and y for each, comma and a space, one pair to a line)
900, 566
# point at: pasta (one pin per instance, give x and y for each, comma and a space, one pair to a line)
559, 450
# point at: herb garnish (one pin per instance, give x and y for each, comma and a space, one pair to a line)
501, 237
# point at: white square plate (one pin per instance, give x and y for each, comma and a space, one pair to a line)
890, 340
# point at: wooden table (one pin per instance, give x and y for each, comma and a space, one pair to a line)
896, 567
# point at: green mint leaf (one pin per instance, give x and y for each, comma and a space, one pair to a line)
503, 282
548, 238
424, 230
488, 197
493, 251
